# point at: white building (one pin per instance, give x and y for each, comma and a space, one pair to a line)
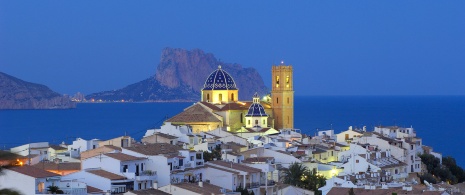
28, 180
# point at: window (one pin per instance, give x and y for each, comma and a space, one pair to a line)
411, 147
40, 187
248, 122
220, 97
263, 121
287, 81
288, 100
232, 96
256, 122
242, 116
125, 168
277, 101
356, 161
208, 97
277, 81
332, 153
192, 158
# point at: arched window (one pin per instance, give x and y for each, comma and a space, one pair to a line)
242, 116
256, 122
263, 121
208, 97
277, 101
232, 96
277, 81
220, 97
287, 100
248, 122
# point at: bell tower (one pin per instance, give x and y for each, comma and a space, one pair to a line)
282, 96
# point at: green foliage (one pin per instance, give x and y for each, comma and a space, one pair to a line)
216, 153
430, 161
54, 190
244, 191
294, 174
7, 191
298, 175
312, 181
428, 177
457, 171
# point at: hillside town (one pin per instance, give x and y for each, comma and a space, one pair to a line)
221, 145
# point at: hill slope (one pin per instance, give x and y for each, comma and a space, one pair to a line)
18, 94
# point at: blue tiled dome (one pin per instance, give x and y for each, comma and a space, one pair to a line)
256, 109
219, 80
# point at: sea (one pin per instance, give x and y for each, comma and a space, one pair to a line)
438, 120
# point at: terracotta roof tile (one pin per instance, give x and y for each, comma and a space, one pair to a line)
91, 189
195, 113
149, 191
154, 149
32, 171
58, 166
123, 157
106, 174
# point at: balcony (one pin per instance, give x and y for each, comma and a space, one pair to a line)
269, 183
252, 185
147, 175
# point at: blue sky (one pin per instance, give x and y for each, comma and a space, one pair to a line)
336, 47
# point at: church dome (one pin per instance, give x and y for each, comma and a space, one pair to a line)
256, 109
219, 80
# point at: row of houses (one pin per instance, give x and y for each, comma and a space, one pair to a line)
170, 160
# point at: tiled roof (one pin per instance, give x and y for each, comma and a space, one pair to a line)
56, 147
106, 174
58, 166
235, 166
32, 171
222, 169
205, 189
154, 149
91, 189
123, 157
149, 192
164, 135
195, 113
5, 155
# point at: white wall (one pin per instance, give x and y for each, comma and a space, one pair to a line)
155, 163
90, 179
222, 178
22, 183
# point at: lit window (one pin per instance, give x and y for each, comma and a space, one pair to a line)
287, 81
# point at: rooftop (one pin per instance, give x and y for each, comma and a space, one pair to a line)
195, 113
106, 174
123, 157
154, 149
205, 189
32, 171
58, 166
235, 166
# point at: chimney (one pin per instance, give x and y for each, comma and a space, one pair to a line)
200, 184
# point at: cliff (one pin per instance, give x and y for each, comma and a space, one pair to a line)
180, 76
18, 94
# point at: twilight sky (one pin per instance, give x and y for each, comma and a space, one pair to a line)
336, 47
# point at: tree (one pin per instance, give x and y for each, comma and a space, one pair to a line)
457, 171
430, 161
313, 181
216, 153
54, 190
294, 174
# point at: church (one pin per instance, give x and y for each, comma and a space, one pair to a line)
220, 107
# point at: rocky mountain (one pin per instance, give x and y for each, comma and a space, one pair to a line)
181, 75
18, 94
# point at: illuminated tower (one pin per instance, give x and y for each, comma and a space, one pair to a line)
282, 96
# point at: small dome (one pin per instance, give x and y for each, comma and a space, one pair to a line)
219, 80
256, 109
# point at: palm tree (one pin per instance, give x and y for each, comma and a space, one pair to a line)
294, 174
